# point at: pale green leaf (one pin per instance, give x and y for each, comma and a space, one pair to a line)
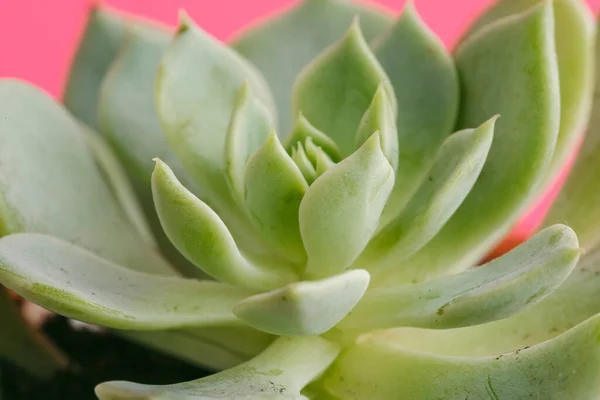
248, 129
117, 179
501, 288
214, 347
127, 115
575, 36
577, 203
274, 189
318, 158
304, 308
340, 211
425, 81
380, 117
76, 283
304, 130
196, 91
98, 48
50, 183
456, 168
201, 236
564, 368
572, 303
303, 163
22, 345
128, 120
508, 68
279, 373
283, 45
323, 162
336, 89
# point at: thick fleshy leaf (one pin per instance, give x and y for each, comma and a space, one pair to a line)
195, 105
127, 115
76, 283
201, 236
281, 47
575, 37
303, 163
279, 373
214, 347
560, 369
22, 345
456, 168
274, 189
577, 203
304, 130
248, 129
340, 211
51, 184
508, 68
305, 308
128, 120
99, 46
380, 117
336, 89
572, 303
425, 81
323, 162
494, 291
117, 180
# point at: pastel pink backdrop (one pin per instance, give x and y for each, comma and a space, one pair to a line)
38, 37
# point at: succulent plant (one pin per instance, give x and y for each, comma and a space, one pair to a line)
310, 223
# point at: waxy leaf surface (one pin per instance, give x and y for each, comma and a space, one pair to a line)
304, 130
501, 288
510, 69
340, 211
101, 42
456, 168
279, 373
560, 369
274, 189
200, 235
281, 47
249, 127
128, 120
575, 36
51, 184
380, 117
214, 347
73, 282
426, 85
197, 88
336, 88
577, 202
305, 308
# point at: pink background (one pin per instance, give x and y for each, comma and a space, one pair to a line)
38, 37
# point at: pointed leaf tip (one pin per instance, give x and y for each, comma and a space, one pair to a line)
496, 290
185, 22
451, 178
337, 87
340, 211
380, 117
274, 189
202, 237
519, 56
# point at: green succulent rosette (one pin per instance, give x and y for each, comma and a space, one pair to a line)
306, 209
